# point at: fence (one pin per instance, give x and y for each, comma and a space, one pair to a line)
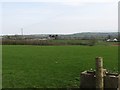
100, 79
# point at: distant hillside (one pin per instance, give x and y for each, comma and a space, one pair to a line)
97, 35
85, 35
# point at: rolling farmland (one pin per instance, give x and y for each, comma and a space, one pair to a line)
52, 66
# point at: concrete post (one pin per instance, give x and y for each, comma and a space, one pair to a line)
99, 74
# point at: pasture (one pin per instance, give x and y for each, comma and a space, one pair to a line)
52, 66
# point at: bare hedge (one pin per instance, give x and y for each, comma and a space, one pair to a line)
46, 42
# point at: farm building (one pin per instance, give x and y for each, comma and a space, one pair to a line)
115, 40
112, 40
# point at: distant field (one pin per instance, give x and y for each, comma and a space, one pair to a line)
52, 66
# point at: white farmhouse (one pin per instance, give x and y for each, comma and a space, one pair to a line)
112, 40
115, 40
108, 40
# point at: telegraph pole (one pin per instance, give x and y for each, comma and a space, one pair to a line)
22, 31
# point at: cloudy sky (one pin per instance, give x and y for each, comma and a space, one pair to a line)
58, 16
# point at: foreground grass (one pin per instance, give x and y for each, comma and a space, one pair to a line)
52, 66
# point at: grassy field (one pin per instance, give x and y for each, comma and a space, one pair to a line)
52, 66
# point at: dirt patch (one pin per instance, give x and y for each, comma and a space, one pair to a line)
116, 45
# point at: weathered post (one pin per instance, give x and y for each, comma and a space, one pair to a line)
99, 73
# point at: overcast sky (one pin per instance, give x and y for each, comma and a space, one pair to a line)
58, 17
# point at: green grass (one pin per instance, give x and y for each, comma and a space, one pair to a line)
52, 66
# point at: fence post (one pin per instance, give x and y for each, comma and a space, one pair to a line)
99, 73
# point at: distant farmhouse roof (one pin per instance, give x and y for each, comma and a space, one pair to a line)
114, 40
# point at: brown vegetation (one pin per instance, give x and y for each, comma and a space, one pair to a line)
48, 42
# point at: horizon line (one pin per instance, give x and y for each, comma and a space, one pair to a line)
59, 33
